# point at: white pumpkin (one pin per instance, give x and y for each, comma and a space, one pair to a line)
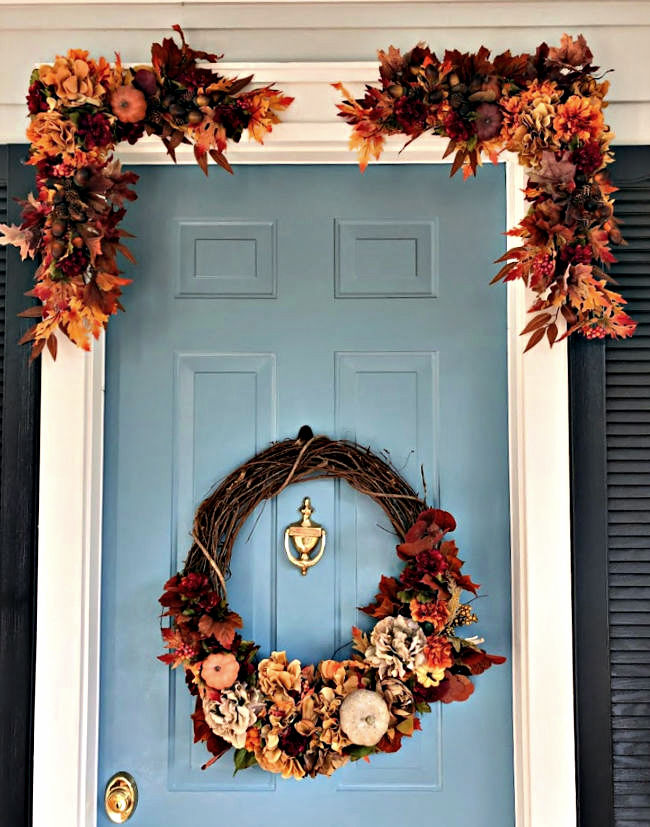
364, 717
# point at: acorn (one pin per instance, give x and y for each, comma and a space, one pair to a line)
58, 197
58, 228
453, 79
82, 177
177, 110
194, 116
396, 90
78, 242
202, 100
58, 248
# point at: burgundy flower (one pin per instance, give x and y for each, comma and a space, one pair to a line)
456, 128
588, 158
95, 130
488, 121
74, 264
410, 114
293, 743
193, 585
130, 132
233, 118
36, 99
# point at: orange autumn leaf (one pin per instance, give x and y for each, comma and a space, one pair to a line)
222, 630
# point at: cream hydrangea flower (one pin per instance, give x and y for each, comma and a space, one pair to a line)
396, 647
237, 709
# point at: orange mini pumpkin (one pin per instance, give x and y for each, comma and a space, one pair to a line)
220, 671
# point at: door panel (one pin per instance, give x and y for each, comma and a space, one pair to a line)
359, 305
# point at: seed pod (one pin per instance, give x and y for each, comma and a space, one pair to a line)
194, 116
58, 228
58, 197
58, 248
202, 100
78, 242
82, 177
453, 79
167, 101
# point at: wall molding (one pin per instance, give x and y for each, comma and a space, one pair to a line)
69, 586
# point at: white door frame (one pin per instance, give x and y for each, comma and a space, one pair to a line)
70, 510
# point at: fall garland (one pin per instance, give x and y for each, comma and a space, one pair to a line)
300, 720
547, 108
80, 110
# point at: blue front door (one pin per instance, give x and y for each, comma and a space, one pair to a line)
360, 305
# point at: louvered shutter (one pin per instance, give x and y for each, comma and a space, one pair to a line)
3, 303
627, 397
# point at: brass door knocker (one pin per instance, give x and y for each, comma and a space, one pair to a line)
305, 536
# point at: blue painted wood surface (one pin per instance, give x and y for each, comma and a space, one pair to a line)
249, 317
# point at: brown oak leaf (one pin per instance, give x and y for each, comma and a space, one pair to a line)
222, 630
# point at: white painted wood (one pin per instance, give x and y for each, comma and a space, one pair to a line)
311, 121
69, 587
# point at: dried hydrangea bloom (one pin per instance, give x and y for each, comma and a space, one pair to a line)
277, 676
272, 758
399, 699
396, 647
236, 711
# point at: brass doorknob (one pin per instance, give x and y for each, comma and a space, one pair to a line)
121, 797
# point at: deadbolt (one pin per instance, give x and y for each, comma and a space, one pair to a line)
121, 797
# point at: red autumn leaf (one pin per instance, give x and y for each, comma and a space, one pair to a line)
385, 600
478, 661
405, 551
222, 630
391, 742
452, 688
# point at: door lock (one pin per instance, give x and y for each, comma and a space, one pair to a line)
121, 797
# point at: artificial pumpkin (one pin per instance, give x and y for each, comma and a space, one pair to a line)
220, 670
364, 717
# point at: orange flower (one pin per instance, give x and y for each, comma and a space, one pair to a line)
579, 118
51, 134
253, 739
129, 104
74, 78
438, 653
435, 613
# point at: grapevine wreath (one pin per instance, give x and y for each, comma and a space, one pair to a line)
310, 720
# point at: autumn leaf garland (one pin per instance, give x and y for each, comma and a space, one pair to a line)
545, 107
80, 109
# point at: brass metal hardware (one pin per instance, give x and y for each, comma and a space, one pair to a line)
305, 536
120, 797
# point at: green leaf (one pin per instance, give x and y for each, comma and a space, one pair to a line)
243, 760
357, 752
422, 707
404, 596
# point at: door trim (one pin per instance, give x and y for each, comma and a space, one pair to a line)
70, 518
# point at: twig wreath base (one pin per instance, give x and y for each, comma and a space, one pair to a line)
302, 721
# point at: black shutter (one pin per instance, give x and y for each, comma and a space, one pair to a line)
19, 399
627, 393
